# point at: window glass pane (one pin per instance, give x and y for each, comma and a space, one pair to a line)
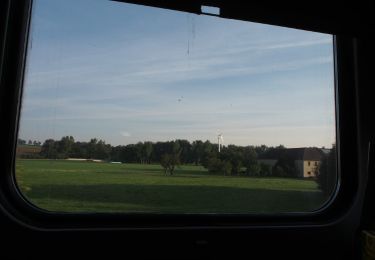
128, 108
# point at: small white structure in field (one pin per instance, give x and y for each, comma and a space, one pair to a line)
76, 159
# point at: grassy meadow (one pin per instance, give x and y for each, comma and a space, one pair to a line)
71, 186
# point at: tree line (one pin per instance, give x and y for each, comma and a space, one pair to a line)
30, 142
196, 152
232, 159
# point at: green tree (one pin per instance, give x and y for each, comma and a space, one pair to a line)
175, 148
209, 151
234, 155
165, 162
278, 171
49, 149
102, 150
326, 174
91, 148
147, 151
197, 151
140, 152
79, 150
185, 151
128, 154
215, 165
64, 147
285, 167
250, 161
254, 169
169, 163
21, 141
265, 169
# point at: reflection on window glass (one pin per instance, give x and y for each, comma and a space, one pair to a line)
129, 108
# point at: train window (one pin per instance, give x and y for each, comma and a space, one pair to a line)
128, 108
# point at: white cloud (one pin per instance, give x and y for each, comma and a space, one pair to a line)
125, 134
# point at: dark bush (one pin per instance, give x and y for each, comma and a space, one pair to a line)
326, 176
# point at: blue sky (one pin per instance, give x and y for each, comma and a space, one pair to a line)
126, 73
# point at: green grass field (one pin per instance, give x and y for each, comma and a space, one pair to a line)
103, 187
